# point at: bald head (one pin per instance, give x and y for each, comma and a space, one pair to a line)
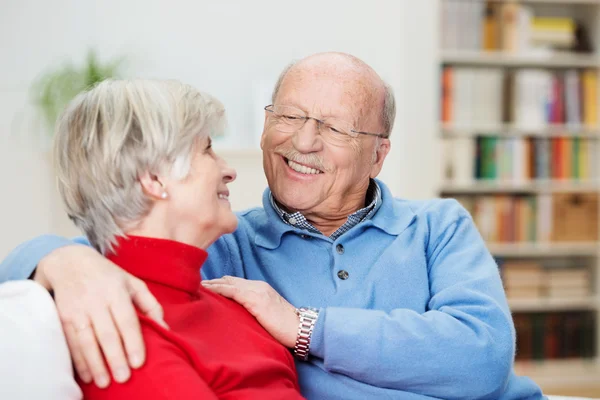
368, 88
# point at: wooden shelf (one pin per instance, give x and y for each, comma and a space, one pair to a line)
537, 186
590, 249
562, 304
563, 2
479, 58
508, 130
552, 374
560, 2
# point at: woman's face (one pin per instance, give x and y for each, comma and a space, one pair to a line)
201, 200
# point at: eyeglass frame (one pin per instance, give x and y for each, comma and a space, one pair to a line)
320, 121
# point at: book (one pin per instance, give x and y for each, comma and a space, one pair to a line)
555, 335
529, 99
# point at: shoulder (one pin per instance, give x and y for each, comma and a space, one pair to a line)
162, 345
249, 222
251, 218
439, 212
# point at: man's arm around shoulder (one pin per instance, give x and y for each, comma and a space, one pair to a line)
24, 259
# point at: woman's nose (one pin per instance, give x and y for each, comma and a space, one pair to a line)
229, 173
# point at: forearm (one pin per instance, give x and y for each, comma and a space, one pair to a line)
446, 354
23, 260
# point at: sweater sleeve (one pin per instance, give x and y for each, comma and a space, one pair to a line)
23, 260
167, 374
461, 347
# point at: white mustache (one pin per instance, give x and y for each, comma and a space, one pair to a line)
292, 154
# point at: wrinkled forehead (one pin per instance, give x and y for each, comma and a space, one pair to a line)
329, 94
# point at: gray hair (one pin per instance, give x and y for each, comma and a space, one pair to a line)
110, 135
388, 112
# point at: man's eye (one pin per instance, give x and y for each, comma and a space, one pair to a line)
291, 117
334, 130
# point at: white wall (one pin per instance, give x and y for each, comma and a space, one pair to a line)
226, 47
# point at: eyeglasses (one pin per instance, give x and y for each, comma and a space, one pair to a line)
291, 119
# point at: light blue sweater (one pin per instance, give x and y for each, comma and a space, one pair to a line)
422, 313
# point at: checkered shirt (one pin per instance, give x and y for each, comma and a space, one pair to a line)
298, 220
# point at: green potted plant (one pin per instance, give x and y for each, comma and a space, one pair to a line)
52, 91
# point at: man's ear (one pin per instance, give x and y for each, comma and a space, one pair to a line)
152, 186
379, 157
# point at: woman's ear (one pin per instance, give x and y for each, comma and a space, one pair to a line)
152, 186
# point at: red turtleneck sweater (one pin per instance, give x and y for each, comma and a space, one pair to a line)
214, 350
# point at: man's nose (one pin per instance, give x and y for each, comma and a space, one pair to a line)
306, 139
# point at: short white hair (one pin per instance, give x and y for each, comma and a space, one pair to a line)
112, 134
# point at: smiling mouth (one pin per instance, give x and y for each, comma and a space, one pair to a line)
223, 196
303, 169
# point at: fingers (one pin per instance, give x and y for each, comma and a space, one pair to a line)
110, 343
101, 325
128, 325
81, 366
242, 291
86, 339
145, 301
229, 291
228, 280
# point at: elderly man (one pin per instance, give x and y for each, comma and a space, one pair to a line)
378, 297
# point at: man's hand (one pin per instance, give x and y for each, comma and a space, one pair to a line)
271, 310
95, 301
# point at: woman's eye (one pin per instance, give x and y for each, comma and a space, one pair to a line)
291, 117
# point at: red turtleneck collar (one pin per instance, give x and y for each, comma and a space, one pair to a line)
161, 261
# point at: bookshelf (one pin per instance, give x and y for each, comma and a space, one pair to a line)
474, 58
519, 105
556, 304
524, 250
538, 186
510, 130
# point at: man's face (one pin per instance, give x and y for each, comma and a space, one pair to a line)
305, 171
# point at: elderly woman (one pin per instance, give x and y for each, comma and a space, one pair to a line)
138, 175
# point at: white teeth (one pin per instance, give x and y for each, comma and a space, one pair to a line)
223, 196
303, 169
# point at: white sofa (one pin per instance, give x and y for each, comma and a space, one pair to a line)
34, 358
35, 361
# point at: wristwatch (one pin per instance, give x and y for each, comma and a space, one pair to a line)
308, 318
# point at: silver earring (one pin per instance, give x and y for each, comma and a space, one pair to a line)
164, 195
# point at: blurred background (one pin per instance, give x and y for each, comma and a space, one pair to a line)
497, 107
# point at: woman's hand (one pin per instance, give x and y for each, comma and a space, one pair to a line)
272, 311
95, 299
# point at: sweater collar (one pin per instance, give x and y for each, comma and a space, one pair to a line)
161, 261
392, 217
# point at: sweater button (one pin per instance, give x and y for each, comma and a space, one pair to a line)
343, 275
340, 249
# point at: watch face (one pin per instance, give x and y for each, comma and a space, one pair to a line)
310, 312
